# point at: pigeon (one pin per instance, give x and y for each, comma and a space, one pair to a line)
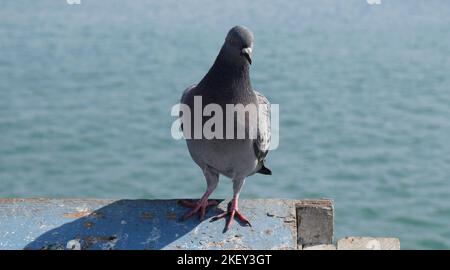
228, 82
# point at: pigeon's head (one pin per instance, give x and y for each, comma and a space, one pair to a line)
238, 45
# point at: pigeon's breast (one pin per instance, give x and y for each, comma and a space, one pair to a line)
232, 158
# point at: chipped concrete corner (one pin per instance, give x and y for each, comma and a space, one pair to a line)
314, 222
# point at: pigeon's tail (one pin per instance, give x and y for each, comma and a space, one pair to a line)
264, 170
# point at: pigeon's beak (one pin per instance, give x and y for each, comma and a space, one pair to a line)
247, 53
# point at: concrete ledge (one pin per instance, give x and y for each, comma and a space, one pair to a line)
154, 224
368, 243
149, 224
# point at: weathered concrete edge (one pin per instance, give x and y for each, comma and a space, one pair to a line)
288, 215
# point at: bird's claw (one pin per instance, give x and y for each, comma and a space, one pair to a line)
198, 207
232, 213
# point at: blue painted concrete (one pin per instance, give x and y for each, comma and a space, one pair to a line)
140, 224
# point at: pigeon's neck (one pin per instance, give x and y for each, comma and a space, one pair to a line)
226, 76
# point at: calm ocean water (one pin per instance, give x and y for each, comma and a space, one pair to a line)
86, 92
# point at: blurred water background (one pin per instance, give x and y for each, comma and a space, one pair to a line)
86, 92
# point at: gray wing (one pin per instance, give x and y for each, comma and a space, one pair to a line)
186, 92
261, 145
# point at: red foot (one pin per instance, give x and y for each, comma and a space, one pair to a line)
198, 207
232, 212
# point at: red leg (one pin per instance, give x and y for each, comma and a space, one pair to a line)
199, 207
232, 212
